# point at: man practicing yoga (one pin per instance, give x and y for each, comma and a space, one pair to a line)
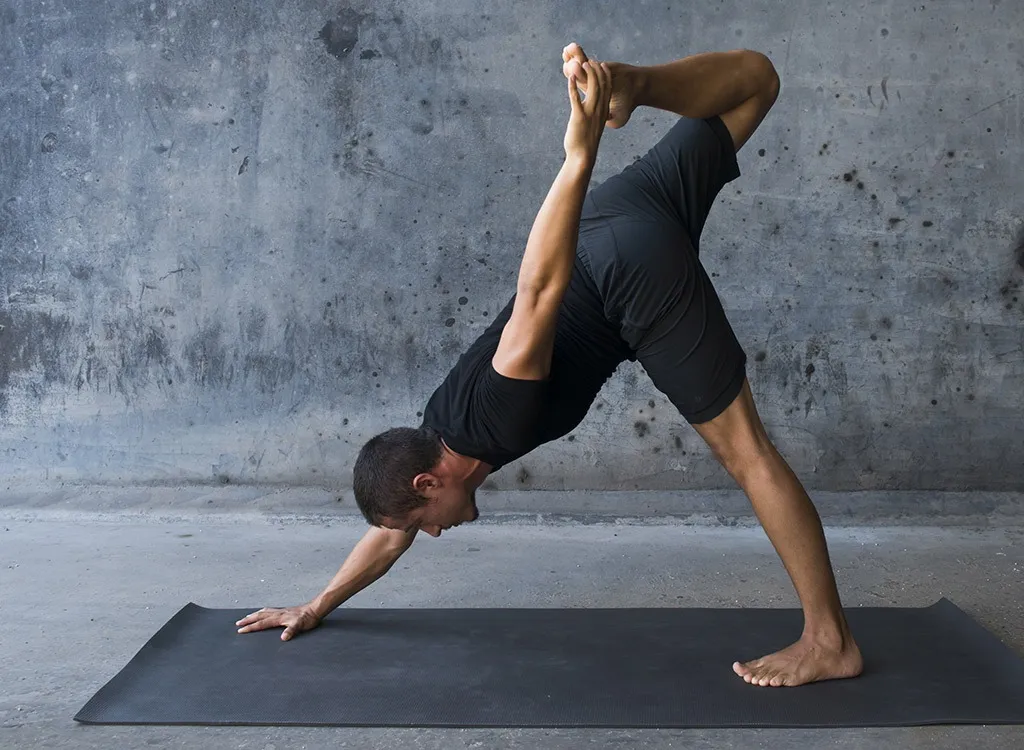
608, 275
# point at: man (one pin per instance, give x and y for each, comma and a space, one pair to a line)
606, 276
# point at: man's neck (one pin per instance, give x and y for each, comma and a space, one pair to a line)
464, 467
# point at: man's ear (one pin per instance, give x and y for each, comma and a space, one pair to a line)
425, 482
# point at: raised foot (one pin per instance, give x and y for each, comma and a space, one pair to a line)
805, 661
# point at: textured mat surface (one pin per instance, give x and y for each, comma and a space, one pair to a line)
557, 668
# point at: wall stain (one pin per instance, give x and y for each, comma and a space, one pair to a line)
341, 34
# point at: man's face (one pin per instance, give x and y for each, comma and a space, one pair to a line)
448, 506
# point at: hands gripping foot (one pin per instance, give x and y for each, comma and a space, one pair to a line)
623, 100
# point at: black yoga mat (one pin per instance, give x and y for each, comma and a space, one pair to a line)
557, 668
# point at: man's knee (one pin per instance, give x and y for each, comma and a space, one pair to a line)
745, 456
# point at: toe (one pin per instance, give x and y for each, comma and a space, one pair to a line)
740, 669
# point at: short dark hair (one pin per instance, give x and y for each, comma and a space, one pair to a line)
385, 467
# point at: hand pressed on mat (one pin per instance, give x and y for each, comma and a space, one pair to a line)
294, 620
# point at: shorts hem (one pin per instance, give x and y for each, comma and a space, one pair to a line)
723, 400
731, 168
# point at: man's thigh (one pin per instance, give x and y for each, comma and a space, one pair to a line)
693, 356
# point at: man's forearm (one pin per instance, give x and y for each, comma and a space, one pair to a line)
370, 559
702, 85
551, 248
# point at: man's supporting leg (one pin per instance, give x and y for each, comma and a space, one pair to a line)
826, 649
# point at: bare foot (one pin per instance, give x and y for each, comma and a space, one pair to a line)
805, 661
623, 100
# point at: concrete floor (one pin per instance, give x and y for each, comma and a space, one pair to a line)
82, 589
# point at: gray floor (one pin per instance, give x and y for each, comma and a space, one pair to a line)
82, 588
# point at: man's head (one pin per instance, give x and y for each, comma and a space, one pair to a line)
405, 478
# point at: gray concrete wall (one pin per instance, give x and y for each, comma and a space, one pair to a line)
238, 239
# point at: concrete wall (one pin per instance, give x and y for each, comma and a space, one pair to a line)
237, 239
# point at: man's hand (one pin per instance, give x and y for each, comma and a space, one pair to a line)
623, 100
587, 119
294, 620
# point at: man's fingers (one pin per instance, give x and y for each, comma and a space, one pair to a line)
575, 68
574, 96
595, 91
288, 633
249, 618
258, 621
606, 89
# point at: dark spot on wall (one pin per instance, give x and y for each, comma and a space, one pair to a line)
244, 165
571, 438
435, 45
809, 370
522, 476
874, 337
885, 32
81, 272
893, 221
223, 479
49, 144
341, 34
421, 128
650, 403
1019, 249
369, 54
886, 324
860, 185
934, 402
34, 342
847, 177
760, 356
926, 223
463, 300
678, 441
207, 357
760, 152
951, 154
641, 428
155, 347
449, 323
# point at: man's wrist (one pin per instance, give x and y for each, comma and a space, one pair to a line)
319, 607
579, 163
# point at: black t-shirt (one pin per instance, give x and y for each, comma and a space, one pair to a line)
485, 415
658, 206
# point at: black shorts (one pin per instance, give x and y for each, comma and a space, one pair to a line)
639, 242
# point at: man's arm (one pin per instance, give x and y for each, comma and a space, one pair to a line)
525, 348
527, 341
370, 559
